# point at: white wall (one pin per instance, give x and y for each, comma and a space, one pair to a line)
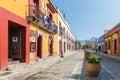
65, 24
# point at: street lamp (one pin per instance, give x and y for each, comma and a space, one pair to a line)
62, 33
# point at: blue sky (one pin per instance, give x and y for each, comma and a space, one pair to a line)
89, 18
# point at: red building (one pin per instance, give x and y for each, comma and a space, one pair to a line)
14, 38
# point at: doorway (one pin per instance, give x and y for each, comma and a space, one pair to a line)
39, 47
60, 46
51, 48
115, 46
16, 42
50, 45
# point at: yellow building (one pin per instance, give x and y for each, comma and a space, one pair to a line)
112, 43
112, 40
17, 7
28, 31
42, 17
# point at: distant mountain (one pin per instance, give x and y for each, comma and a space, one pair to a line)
82, 42
93, 39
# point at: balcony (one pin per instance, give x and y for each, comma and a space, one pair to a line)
36, 17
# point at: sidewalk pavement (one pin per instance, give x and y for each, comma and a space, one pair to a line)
110, 56
21, 71
113, 57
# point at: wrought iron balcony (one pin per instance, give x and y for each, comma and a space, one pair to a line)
33, 11
36, 16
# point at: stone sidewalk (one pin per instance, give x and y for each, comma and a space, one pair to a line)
114, 57
80, 73
21, 71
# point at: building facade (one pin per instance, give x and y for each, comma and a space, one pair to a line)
28, 31
101, 44
14, 32
42, 17
66, 38
70, 38
112, 41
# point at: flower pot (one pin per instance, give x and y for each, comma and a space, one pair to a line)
87, 56
93, 69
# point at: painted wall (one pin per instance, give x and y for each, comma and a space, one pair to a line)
45, 36
55, 19
45, 43
101, 43
101, 47
106, 40
18, 7
111, 38
6, 15
114, 37
55, 43
69, 36
115, 34
101, 39
63, 25
118, 43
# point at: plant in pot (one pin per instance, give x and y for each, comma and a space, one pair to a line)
87, 54
93, 66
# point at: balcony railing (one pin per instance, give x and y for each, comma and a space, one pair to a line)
42, 20
35, 12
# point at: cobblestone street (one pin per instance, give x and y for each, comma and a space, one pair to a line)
59, 71
73, 68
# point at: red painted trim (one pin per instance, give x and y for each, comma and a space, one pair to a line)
113, 30
5, 17
30, 2
50, 12
40, 4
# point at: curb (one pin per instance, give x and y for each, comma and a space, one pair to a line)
116, 58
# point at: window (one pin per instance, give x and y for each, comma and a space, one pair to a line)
50, 15
44, 6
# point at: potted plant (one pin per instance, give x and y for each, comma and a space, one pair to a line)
93, 65
87, 54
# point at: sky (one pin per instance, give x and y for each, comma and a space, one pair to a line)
89, 18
